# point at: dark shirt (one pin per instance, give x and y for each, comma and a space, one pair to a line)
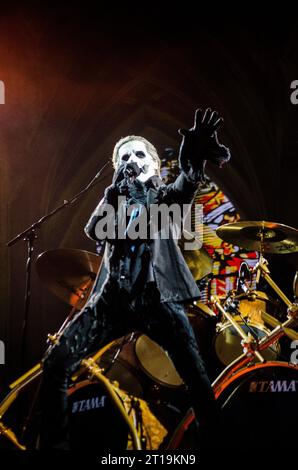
130, 264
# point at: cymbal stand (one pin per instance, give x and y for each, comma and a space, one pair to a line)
261, 268
248, 343
20, 384
26, 379
274, 335
95, 371
29, 235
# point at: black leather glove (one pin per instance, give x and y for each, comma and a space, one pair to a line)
112, 191
118, 174
200, 144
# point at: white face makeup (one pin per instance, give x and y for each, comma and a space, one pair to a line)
135, 151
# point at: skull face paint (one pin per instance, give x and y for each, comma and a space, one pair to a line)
136, 151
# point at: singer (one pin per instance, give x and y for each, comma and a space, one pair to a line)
142, 284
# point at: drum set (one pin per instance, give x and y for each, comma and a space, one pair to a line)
128, 395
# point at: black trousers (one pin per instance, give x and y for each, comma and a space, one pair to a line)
113, 316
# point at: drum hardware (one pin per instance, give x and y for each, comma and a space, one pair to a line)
264, 237
247, 309
88, 365
273, 322
10, 435
135, 405
22, 382
49, 265
204, 308
261, 268
95, 371
96, 357
17, 387
248, 342
118, 351
30, 235
263, 344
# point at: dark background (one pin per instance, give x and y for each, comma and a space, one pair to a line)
78, 78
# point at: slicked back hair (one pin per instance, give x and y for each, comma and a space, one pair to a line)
149, 147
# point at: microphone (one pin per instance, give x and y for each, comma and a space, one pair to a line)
132, 170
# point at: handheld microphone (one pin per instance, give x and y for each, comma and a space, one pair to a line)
132, 170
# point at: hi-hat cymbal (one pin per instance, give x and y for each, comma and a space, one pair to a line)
265, 237
69, 273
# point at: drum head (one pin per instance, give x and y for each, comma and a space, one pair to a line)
156, 363
259, 407
121, 365
94, 421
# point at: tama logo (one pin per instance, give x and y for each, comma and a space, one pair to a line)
89, 404
274, 386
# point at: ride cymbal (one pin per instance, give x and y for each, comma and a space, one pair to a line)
265, 237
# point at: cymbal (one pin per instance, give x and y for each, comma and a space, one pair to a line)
69, 273
265, 237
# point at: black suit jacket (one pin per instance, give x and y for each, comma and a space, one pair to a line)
172, 275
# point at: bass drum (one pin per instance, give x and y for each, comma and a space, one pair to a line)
259, 406
94, 421
258, 410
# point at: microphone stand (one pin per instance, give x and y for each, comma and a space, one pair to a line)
30, 235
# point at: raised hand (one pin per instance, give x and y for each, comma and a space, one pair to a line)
200, 143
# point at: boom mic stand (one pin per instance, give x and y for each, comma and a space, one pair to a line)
29, 235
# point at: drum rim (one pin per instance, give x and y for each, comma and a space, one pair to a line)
74, 387
245, 370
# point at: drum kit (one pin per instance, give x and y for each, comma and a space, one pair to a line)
131, 385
